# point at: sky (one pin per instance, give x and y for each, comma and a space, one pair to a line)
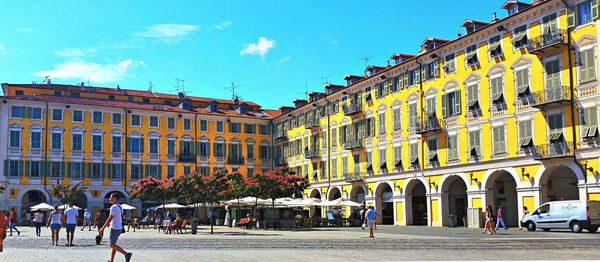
272, 50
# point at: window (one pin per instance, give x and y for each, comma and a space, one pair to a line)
186, 149
146, 100
136, 120
498, 140
19, 92
171, 147
589, 123
397, 119
450, 64
153, 145
153, 122
474, 144
56, 141
15, 139
396, 83
414, 154
431, 106
116, 119
432, 150
250, 151
116, 171
472, 96
263, 129
203, 125
116, 144
412, 115
154, 171
522, 82
250, 129
333, 137
263, 151
334, 173
204, 170
97, 117
57, 93
77, 142
171, 123
130, 98
97, 143
55, 169
549, 27
36, 113
111, 97
219, 126
471, 56
136, 145
520, 37
432, 71
204, 150
36, 139
452, 147
249, 171
496, 90
552, 70
57, 114
525, 134
77, 115
170, 171
219, 149
495, 47
35, 167
344, 166
587, 65
451, 104
382, 160
381, 123
381, 90
555, 124
582, 13
16, 111
136, 171
397, 158
187, 170
414, 77
234, 127
14, 168
187, 124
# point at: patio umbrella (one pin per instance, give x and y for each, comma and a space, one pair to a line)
65, 206
349, 203
41, 206
171, 205
127, 207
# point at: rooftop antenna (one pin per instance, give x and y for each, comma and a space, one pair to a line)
150, 86
180, 87
325, 81
232, 89
366, 59
305, 93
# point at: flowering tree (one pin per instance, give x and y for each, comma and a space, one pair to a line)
275, 184
215, 188
68, 193
148, 189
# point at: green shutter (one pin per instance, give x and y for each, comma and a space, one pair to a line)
571, 16
6, 167
444, 104
590, 64
146, 170
457, 99
594, 9
436, 69
66, 168
28, 112
108, 170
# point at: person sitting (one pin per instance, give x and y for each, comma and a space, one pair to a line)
175, 224
145, 222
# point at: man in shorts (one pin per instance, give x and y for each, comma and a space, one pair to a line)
12, 221
87, 220
71, 217
370, 217
115, 220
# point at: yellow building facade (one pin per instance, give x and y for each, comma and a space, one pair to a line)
505, 115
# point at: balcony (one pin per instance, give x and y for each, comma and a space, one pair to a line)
38, 152
153, 156
311, 123
280, 135
353, 177
219, 159
171, 157
250, 160
235, 160
352, 109
313, 153
116, 154
548, 41
552, 150
56, 152
97, 154
353, 144
136, 156
14, 151
556, 96
431, 125
189, 158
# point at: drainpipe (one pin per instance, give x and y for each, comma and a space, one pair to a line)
46, 152
125, 155
328, 147
196, 142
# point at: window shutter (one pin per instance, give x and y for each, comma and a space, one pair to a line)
590, 64
129, 144
108, 170
372, 126
192, 148
436, 69
146, 171
594, 9
444, 104
159, 171
571, 15
66, 168
457, 98
142, 145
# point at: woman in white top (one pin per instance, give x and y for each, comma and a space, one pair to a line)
54, 222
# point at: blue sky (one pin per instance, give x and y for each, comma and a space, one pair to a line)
272, 49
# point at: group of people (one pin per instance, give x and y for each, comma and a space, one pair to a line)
7, 224
489, 227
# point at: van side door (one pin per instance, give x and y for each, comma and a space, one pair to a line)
542, 215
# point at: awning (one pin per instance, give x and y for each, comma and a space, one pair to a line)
41, 206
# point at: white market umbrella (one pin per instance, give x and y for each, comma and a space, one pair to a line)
42, 206
349, 203
304, 202
171, 206
127, 207
65, 206
249, 201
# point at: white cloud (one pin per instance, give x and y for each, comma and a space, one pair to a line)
220, 26
261, 48
168, 33
98, 73
75, 52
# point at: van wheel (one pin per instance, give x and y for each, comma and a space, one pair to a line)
576, 226
546, 229
593, 229
530, 226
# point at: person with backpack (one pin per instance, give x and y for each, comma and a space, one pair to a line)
115, 223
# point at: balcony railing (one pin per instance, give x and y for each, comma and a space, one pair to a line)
97, 154
353, 177
432, 124
116, 154
133, 155
153, 156
14, 150
312, 153
280, 135
556, 149
550, 39
189, 158
219, 159
311, 123
38, 152
171, 157
354, 143
56, 152
352, 109
553, 96
203, 158
235, 160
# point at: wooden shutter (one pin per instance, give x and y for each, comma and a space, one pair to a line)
444, 104
457, 104
594, 9
571, 16
590, 64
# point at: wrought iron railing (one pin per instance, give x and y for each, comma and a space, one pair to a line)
548, 39
551, 95
353, 176
351, 109
554, 150
312, 153
353, 143
189, 158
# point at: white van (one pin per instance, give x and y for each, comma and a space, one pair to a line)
576, 215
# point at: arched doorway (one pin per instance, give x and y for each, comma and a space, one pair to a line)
358, 194
315, 210
333, 194
384, 204
32, 198
82, 203
559, 183
416, 203
120, 196
454, 200
501, 191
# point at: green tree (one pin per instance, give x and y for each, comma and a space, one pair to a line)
68, 194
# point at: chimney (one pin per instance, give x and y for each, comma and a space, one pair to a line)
180, 95
494, 17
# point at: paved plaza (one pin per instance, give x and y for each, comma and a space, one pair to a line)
324, 244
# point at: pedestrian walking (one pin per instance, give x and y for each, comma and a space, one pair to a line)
71, 216
115, 221
525, 213
227, 217
38, 219
500, 219
3, 227
363, 209
12, 221
489, 221
370, 217
54, 222
100, 218
87, 220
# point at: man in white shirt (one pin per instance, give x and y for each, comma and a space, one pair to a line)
71, 216
38, 218
87, 220
115, 220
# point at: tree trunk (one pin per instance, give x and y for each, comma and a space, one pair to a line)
211, 219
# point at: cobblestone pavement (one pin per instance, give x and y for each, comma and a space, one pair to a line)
392, 243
